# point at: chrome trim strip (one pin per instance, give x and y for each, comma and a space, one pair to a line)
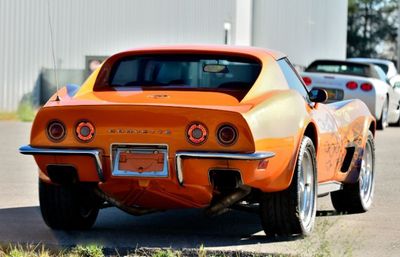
327, 187
29, 150
212, 155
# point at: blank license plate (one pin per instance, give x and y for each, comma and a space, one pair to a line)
140, 162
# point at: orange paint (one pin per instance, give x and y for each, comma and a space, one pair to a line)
270, 117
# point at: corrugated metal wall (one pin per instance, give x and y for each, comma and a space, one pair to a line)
305, 30
95, 27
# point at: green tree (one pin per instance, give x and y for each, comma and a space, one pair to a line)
372, 28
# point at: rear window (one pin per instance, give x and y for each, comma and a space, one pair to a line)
346, 68
383, 66
185, 72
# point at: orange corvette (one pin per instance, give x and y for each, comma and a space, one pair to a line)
210, 127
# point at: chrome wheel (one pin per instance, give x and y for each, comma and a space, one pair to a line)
357, 197
292, 211
307, 191
367, 177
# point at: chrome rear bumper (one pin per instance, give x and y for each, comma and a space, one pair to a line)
29, 150
213, 155
96, 154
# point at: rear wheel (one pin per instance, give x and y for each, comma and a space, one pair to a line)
68, 207
397, 123
382, 123
292, 211
355, 198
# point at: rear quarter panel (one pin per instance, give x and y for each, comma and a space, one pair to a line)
277, 124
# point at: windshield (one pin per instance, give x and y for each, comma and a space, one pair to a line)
185, 72
339, 67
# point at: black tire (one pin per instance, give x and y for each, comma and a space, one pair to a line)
68, 207
352, 198
280, 212
397, 123
382, 123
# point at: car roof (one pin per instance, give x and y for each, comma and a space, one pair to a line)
371, 73
224, 49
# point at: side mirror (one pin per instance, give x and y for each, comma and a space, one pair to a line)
72, 89
318, 95
396, 84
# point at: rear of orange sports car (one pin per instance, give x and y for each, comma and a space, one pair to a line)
158, 141
152, 156
175, 127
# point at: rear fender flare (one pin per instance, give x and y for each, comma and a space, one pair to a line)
310, 130
353, 176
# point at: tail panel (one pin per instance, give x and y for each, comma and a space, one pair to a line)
141, 125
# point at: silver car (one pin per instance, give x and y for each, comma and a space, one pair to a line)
348, 80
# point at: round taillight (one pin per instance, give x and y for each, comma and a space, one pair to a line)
352, 85
366, 87
56, 131
85, 131
227, 135
197, 133
307, 81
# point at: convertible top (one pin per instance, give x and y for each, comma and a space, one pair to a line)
360, 69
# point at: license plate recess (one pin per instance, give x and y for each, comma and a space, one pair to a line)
140, 161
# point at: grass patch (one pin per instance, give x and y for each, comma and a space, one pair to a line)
88, 251
166, 253
8, 116
26, 111
25, 251
197, 252
98, 251
323, 242
42, 251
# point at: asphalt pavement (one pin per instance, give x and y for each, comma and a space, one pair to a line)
375, 233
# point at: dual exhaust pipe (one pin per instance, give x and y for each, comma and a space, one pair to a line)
215, 209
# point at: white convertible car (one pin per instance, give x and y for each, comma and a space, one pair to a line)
349, 80
392, 76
